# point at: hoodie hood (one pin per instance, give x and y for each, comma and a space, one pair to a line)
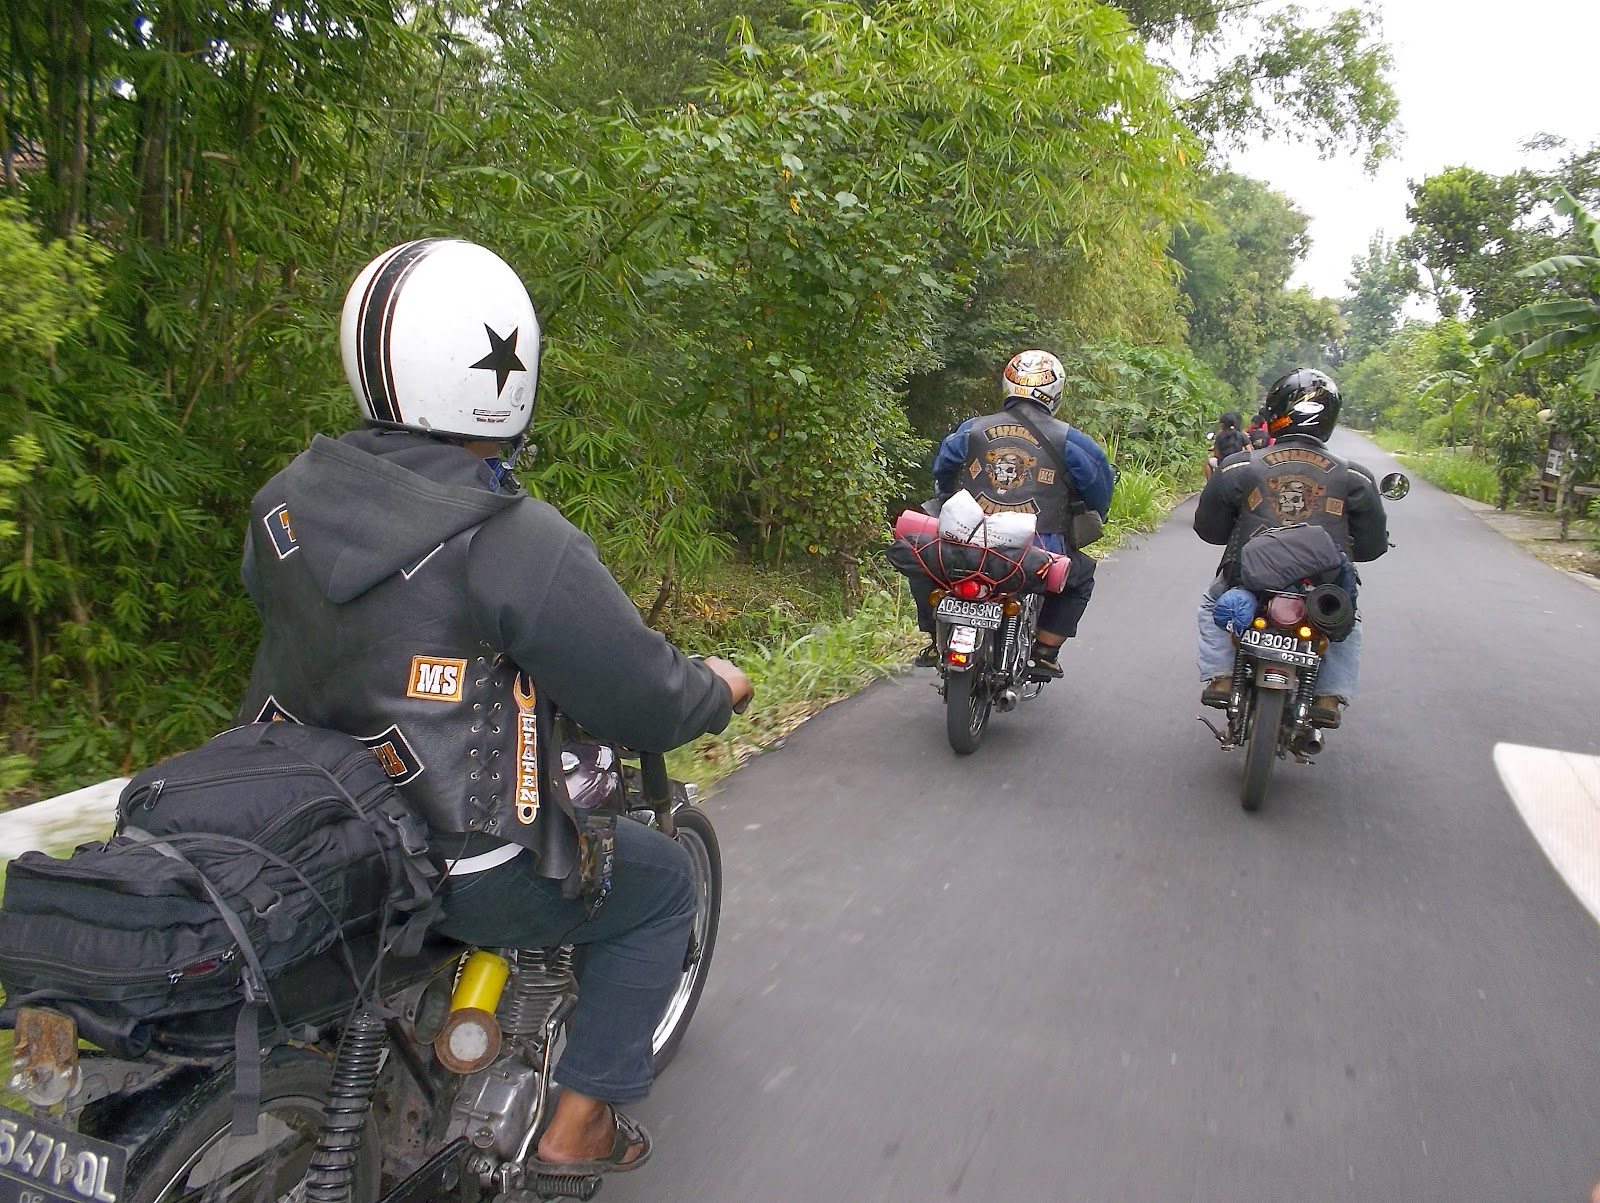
373, 503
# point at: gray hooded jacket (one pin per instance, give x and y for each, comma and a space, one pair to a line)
404, 603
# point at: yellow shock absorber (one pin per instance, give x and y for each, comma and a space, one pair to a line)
482, 978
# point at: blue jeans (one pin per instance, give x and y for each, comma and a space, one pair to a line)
1341, 666
634, 950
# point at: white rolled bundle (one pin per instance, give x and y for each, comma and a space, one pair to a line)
961, 518
1009, 531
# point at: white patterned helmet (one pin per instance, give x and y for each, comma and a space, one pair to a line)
439, 336
1036, 376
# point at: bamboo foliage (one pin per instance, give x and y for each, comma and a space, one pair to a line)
733, 287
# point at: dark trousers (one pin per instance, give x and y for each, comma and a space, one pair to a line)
635, 950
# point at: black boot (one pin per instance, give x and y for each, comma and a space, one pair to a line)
928, 657
1043, 663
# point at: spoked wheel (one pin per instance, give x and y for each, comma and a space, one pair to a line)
1261, 749
196, 1156
699, 839
966, 709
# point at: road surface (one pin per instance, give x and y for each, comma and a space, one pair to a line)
1069, 967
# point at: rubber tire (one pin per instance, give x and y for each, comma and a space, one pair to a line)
288, 1075
699, 837
1261, 748
966, 710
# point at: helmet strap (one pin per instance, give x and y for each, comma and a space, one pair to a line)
500, 466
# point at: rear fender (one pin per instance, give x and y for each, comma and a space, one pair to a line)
982, 641
1270, 674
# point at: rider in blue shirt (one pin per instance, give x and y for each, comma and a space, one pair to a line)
1001, 476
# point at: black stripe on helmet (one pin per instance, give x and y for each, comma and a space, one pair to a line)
375, 322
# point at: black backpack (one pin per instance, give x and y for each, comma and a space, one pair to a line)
268, 846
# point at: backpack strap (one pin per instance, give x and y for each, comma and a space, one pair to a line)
422, 875
253, 979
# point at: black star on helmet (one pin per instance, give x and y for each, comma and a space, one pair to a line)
502, 357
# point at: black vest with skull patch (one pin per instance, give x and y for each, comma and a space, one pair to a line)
1008, 470
1295, 480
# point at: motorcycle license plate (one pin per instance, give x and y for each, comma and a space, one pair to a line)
975, 614
42, 1162
1271, 645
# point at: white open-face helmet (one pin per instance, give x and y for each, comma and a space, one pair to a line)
439, 336
1035, 375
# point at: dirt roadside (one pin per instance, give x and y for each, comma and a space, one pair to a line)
1540, 534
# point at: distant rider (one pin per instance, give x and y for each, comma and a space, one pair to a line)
1001, 461
1295, 480
412, 595
1227, 439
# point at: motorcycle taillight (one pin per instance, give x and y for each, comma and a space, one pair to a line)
1286, 610
970, 590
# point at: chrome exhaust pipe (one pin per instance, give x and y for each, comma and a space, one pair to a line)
1006, 701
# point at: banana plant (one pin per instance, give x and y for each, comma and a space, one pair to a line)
1576, 320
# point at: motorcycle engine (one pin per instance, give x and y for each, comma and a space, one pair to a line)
494, 1107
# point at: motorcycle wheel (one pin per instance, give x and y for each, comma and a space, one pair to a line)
698, 838
1262, 749
966, 710
194, 1156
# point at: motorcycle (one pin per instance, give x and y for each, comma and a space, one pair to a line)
986, 612
1276, 662
436, 1083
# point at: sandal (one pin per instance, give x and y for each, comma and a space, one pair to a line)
629, 1133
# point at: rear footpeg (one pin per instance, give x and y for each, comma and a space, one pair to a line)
545, 1187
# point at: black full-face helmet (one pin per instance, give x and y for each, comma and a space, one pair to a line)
1305, 401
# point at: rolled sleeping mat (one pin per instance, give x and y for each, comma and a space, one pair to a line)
1330, 608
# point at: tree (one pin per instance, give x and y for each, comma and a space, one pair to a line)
1327, 85
1236, 264
1517, 435
1573, 323
1380, 283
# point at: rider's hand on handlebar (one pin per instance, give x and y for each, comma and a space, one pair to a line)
733, 677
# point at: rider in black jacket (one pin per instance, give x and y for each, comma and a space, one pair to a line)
413, 596
1295, 480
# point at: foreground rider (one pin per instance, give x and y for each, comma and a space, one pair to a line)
1024, 459
1295, 480
412, 595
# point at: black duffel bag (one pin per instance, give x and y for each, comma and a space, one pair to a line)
947, 561
231, 864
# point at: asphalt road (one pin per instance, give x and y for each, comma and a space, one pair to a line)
1070, 967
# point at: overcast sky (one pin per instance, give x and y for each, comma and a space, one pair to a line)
1475, 79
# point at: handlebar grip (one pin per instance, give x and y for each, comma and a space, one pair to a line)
745, 705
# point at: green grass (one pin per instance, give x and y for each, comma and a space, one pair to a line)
1456, 470
797, 673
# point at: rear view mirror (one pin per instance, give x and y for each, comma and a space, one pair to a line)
1395, 486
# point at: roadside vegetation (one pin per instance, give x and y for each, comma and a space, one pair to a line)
1496, 399
778, 250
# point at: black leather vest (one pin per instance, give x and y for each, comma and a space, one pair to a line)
1294, 481
457, 727
1007, 469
